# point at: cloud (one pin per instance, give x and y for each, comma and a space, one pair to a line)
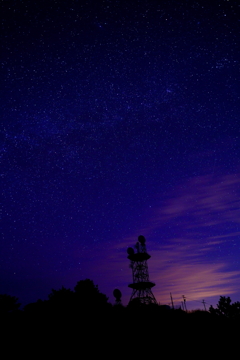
205, 196
187, 270
192, 236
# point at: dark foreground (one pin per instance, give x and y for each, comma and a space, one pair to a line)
117, 332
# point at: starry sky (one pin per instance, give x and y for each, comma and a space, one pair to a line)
120, 118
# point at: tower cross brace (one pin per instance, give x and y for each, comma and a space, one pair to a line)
141, 285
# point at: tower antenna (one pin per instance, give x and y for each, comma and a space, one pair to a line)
117, 294
141, 285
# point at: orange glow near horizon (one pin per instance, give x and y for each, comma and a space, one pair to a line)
187, 237
194, 263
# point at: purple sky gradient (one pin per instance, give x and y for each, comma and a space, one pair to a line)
120, 119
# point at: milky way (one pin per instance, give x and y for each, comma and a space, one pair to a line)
120, 118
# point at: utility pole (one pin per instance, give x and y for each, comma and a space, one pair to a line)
171, 300
184, 302
204, 305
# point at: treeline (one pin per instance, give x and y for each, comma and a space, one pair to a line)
86, 297
83, 320
225, 308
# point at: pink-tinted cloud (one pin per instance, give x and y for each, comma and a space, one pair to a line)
204, 213
186, 270
193, 239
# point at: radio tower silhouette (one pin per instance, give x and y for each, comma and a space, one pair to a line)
141, 285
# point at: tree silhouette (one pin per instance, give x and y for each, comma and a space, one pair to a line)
88, 294
61, 296
224, 305
61, 301
39, 307
225, 308
236, 309
8, 304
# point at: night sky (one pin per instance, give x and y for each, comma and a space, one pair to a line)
120, 118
